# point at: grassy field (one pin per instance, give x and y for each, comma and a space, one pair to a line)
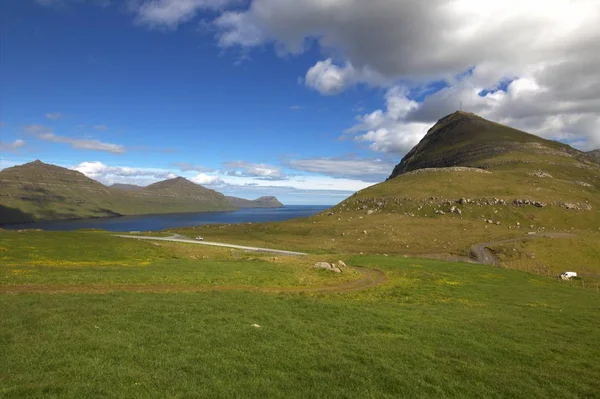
430, 329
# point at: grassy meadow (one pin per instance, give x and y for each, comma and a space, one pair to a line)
87, 315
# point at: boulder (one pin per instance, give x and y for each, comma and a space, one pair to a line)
322, 265
327, 266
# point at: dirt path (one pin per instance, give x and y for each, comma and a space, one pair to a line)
371, 278
482, 254
180, 238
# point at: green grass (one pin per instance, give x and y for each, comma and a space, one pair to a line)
98, 260
434, 329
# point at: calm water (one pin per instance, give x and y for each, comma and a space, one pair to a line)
160, 222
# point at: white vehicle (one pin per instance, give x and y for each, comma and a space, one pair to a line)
199, 238
568, 275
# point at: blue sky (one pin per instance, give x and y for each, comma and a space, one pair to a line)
296, 102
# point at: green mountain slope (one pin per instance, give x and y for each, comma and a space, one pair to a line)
176, 195
468, 181
465, 139
262, 202
38, 191
126, 187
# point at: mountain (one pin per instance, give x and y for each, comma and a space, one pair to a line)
465, 139
127, 187
262, 202
595, 155
39, 191
180, 195
535, 203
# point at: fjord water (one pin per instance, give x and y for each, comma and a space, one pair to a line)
161, 222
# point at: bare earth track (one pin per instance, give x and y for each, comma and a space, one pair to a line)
483, 255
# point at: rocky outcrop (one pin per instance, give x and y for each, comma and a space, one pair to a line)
334, 267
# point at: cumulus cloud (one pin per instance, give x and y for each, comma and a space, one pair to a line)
205, 179
528, 102
256, 170
83, 144
54, 115
548, 50
11, 147
189, 167
366, 169
171, 13
47, 134
122, 174
328, 78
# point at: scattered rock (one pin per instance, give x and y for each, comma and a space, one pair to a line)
370, 211
326, 266
540, 173
569, 206
584, 184
341, 264
255, 325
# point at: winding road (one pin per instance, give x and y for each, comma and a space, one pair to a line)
180, 238
483, 255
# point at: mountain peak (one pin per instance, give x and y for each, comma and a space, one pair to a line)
466, 139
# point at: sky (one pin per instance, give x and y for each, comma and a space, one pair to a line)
307, 100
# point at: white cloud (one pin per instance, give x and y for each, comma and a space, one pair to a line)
54, 115
255, 170
122, 174
171, 13
189, 167
47, 134
328, 78
370, 170
83, 144
204, 179
100, 127
11, 147
389, 130
549, 47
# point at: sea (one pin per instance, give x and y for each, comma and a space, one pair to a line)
161, 222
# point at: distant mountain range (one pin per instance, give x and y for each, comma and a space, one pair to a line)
37, 191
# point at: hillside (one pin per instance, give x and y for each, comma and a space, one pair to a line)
465, 139
468, 181
262, 202
126, 187
595, 155
39, 191
179, 195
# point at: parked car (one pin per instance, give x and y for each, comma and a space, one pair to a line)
199, 238
567, 275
